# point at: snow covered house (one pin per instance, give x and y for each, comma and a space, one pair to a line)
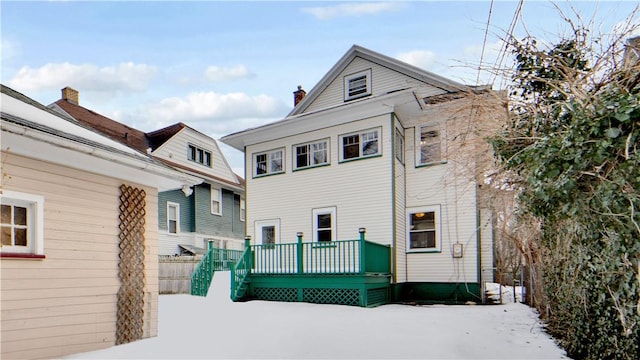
380, 151
191, 218
79, 235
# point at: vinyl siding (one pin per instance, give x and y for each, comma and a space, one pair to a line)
175, 149
445, 186
66, 303
187, 217
360, 190
400, 258
226, 225
384, 80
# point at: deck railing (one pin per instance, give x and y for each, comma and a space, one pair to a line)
214, 260
357, 256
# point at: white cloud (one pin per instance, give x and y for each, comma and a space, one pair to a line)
88, 77
423, 59
351, 9
216, 73
213, 113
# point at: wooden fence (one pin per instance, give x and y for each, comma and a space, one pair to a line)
175, 273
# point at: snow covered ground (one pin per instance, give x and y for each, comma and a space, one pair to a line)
214, 327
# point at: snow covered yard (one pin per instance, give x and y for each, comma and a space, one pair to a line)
216, 328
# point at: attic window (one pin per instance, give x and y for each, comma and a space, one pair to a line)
357, 85
199, 155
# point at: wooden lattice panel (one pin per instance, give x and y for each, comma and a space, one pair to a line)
130, 320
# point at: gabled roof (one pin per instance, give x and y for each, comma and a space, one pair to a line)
382, 60
119, 132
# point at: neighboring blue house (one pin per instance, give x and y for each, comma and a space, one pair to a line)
191, 218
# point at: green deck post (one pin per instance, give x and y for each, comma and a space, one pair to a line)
363, 267
299, 252
247, 245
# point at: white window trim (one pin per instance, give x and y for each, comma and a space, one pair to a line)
243, 209
35, 221
294, 154
268, 154
213, 191
436, 209
259, 224
440, 127
314, 220
398, 134
360, 144
177, 206
347, 78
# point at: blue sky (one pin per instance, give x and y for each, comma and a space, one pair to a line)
224, 66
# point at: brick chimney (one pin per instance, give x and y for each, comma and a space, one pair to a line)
298, 95
71, 95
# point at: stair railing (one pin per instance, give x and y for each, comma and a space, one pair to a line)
240, 272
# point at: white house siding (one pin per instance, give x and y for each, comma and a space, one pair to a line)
486, 246
176, 150
383, 80
291, 196
444, 186
66, 303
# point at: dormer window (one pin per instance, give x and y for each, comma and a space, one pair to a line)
199, 155
357, 85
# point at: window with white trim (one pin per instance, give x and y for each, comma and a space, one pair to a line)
430, 145
311, 154
216, 201
324, 224
357, 85
21, 223
173, 218
423, 226
399, 146
267, 163
199, 155
360, 145
243, 209
267, 232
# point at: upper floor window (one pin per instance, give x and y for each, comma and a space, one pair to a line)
216, 201
266, 163
173, 218
430, 145
243, 209
358, 145
311, 154
21, 223
199, 155
399, 146
357, 85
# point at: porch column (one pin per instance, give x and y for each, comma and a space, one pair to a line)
299, 253
363, 263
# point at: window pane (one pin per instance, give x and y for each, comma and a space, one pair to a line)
370, 143
5, 235
429, 145
21, 237
19, 215
319, 153
261, 164
423, 221
275, 161
324, 235
422, 240
191, 152
358, 85
207, 158
201, 156
350, 147
173, 226
5, 214
268, 235
324, 221
302, 156
172, 213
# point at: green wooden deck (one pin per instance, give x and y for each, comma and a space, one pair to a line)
346, 272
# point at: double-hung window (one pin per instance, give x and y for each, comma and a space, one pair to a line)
21, 223
430, 145
357, 85
424, 229
243, 209
216, 201
399, 146
267, 232
311, 154
267, 163
361, 144
173, 218
324, 224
